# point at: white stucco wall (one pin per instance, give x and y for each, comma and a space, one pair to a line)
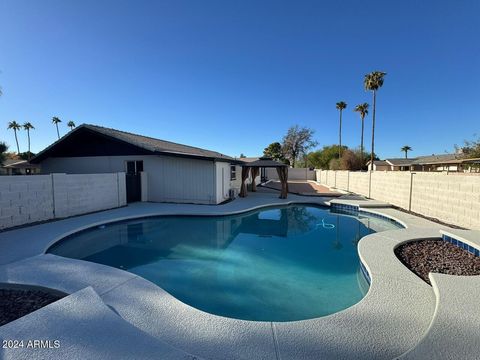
222, 181
31, 198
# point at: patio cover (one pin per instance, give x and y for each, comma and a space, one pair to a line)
254, 168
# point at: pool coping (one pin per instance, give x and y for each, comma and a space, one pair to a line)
345, 334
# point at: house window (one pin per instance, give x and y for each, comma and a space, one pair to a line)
233, 172
134, 167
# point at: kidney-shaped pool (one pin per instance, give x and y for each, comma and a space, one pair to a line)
276, 264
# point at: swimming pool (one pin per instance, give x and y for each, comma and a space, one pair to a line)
275, 264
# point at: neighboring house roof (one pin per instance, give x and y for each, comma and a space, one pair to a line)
378, 162
147, 144
400, 161
19, 164
437, 159
7, 162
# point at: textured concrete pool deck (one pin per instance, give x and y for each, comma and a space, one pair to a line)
390, 321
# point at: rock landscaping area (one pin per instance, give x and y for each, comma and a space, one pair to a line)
432, 255
15, 303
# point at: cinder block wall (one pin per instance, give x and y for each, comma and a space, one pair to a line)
27, 199
453, 198
359, 182
392, 187
293, 174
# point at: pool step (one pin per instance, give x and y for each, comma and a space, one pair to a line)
362, 203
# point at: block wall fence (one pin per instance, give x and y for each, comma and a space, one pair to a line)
31, 198
293, 174
453, 198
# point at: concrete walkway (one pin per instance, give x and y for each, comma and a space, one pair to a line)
391, 320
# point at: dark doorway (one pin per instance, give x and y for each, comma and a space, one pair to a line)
133, 181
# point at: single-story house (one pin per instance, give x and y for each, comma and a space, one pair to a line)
442, 162
18, 167
399, 164
378, 165
156, 170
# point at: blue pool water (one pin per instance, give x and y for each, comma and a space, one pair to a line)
277, 264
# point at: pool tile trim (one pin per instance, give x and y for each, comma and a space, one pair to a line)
454, 240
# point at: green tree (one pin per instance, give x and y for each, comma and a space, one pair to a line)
352, 160
362, 109
71, 125
15, 127
28, 126
470, 148
406, 149
340, 107
56, 121
373, 82
297, 142
274, 151
3, 152
321, 159
26, 155
242, 156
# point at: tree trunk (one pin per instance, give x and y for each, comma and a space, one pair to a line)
16, 140
405, 154
58, 133
28, 135
361, 144
340, 137
373, 129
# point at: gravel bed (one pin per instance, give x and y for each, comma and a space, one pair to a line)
15, 303
432, 255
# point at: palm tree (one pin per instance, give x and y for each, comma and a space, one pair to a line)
28, 126
362, 109
71, 124
340, 106
406, 149
373, 82
56, 120
15, 127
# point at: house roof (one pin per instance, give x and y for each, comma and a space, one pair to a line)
148, 144
399, 161
19, 164
438, 159
8, 162
378, 162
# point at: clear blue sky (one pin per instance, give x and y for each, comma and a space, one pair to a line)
232, 76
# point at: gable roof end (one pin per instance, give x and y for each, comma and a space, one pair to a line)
155, 146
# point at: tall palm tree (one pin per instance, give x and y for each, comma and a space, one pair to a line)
28, 126
373, 82
71, 124
406, 149
15, 127
362, 109
341, 105
56, 120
